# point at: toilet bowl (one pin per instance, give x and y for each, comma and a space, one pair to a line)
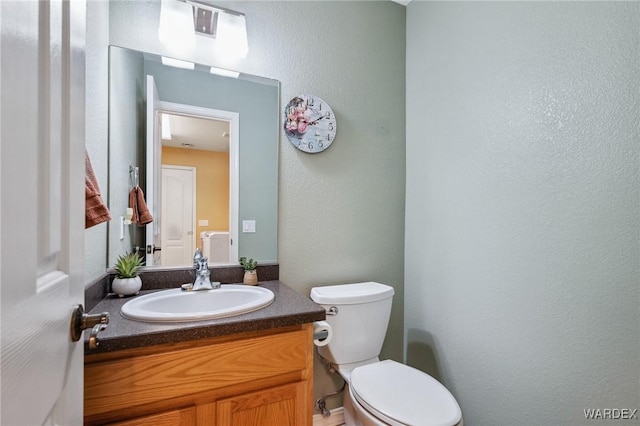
378, 392
390, 393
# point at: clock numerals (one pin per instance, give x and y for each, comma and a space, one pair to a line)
330, 126
310, 101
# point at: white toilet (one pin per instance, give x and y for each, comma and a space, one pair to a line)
378, 392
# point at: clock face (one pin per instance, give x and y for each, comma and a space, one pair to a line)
309, 123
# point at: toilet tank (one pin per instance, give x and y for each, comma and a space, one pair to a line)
360, 325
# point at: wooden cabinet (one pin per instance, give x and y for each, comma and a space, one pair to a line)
258, 378
184, 417
277, 406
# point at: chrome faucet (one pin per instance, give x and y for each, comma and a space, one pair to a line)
196, 258
202, 280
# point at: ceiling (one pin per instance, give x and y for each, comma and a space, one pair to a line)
198, 133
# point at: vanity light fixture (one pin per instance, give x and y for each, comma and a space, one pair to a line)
177, 63
231, 37
182, 20
224, 73
176, 24
227, 27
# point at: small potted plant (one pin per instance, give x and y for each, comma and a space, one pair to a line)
250, 273
127, 282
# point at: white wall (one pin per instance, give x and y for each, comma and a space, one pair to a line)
522, 215
341, 212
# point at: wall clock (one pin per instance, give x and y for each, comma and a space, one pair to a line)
309, 123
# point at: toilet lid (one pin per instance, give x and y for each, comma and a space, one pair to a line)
399, 394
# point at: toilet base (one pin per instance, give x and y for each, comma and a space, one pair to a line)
355, 414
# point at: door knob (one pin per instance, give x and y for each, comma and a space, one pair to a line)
153, 249
81, 321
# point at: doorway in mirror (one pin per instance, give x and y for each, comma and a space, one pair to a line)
198, 183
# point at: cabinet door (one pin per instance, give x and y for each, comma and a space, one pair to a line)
278, 406
184, 417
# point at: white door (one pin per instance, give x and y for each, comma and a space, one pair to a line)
41, 209
154, 152
178, 215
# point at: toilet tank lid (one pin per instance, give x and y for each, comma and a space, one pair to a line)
350, 294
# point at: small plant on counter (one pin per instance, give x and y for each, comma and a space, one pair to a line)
128, 265
250, 273
127, 282
248, 265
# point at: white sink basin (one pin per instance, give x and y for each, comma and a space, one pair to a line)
176, 305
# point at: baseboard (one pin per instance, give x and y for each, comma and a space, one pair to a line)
335, 419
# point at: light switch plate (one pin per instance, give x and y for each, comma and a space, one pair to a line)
248, 226
203, 222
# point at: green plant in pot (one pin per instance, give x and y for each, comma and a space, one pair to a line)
250, 273
127, 282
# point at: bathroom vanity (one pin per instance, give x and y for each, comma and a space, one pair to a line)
254, 368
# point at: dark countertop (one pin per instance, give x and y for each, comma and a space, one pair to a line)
288, 308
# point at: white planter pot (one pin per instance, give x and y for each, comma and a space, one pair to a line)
126, 286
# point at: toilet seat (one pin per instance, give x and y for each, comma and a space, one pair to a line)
401, 395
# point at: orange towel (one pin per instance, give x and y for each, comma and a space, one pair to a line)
144, 216
95, 209
133, 203
141, 214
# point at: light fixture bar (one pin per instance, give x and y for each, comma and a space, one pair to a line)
198, 4
206, 17
205, 21
227, 27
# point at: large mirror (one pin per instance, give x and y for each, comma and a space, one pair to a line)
200, 152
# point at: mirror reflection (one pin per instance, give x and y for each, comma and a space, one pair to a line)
194, 169
206, 147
